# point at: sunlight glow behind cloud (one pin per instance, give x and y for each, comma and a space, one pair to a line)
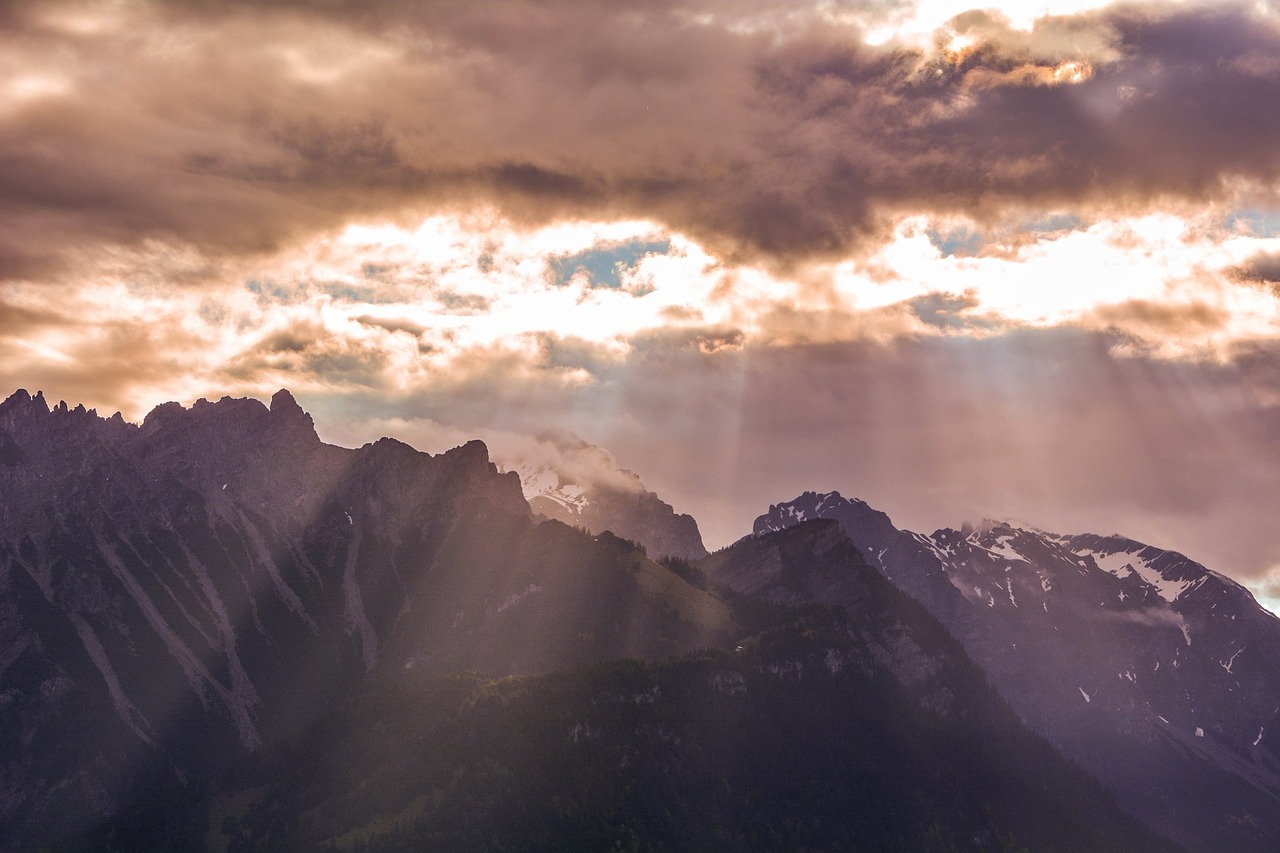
466, 212
394, 306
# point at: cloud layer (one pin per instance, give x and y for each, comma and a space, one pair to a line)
765, 130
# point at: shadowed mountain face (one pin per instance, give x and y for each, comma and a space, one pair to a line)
866, 729
1158, 675
176, 594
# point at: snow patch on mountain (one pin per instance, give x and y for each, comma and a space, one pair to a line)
1003, 547
1124, 564
544, 482
579, 484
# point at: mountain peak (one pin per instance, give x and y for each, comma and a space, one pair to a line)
986, 527
163, 414
236, 416
282, 402
285, 408
566, 479
22, 399
18, 401
474, 451
875, 527
1084, 634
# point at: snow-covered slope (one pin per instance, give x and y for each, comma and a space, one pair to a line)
545, 484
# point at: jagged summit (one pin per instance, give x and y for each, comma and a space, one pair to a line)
877, 528
283, 401
232, 419
283, 412
22, 400
23, 397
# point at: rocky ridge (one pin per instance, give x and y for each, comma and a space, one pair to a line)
1158, 674
177, 593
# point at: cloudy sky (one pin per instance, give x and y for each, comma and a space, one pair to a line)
1018, 262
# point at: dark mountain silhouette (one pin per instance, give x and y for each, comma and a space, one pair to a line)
192, 588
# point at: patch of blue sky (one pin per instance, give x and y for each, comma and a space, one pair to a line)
1052, 223
1259, 223
269, 291
961, 241
369, 294
604, 264
966, 241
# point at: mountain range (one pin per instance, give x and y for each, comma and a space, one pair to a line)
1158, 675
219, 632
208, 581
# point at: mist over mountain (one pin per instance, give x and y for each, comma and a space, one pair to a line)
1158, 675
582, 485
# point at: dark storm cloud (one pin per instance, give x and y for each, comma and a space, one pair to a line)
306, 351
947, 311
241, 127
1262, 268
1158, 320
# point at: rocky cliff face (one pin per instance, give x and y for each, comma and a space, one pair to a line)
815, 561
1159, 675
179, 592
818, 729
